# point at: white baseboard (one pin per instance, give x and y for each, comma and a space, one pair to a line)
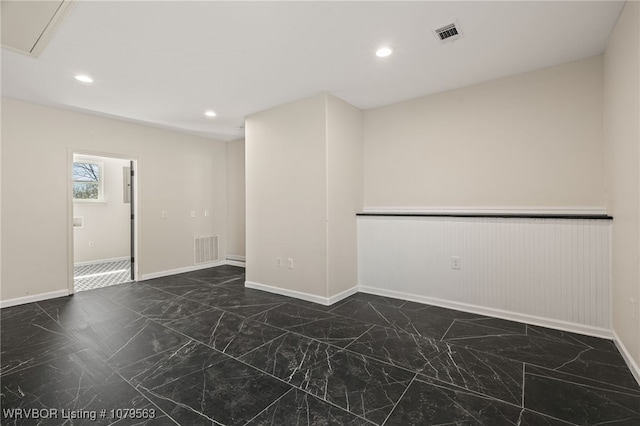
33, 298
237, 258
234, 260
498, 313
631, 363
94, 262
326, 301
166, 273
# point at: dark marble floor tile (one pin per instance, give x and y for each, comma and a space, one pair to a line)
173, 364
472, 328
288, 316
441, 311
300, 408
38, 338
289, 357
377, 300
579, 400
229, 392
17, 316
363, 386
429, 402
490, 375
416, 322
503, 325
109, 292
228, 333
74, 383
174, 284
83, 309
245, 302
578, 359
338, 331
315, 306
531, 418
124, 341
225, 271
573, 338
519, 347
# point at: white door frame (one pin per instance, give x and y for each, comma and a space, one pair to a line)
136, 197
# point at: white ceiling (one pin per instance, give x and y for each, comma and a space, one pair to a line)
164, 63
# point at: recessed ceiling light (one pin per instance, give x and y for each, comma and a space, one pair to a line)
84, 78
210, 113
383, 52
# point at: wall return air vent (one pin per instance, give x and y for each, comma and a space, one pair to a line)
448, 33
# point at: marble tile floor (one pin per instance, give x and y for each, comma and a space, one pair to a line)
200, 349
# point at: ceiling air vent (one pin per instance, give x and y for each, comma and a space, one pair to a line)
448, 33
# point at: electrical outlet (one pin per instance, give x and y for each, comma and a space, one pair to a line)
279, 262
164, 214
290, 263
455, 262
206, 213
192, 213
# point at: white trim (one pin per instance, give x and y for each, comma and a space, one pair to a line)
488, 210
326, 301
497, 313
33, 298
166, 273
236, 263
631, 363
342, 295
236, 258
99, 261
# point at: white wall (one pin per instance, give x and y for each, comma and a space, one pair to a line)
622, 136
235, 199
303, 189
177, 173
529, 141
107, 224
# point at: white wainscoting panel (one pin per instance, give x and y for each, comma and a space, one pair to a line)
554, 270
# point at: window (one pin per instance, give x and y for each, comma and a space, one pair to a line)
87, 181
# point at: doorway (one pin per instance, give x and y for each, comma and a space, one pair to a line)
103, 221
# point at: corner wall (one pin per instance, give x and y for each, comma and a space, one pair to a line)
304, 188
176, 173
622, 138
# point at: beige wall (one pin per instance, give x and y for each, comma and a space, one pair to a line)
286, 203
622, 136
345, 193
177, 173
235, 199
304, 187
107, 224
531, 140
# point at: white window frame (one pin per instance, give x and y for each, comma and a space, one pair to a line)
100, 198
